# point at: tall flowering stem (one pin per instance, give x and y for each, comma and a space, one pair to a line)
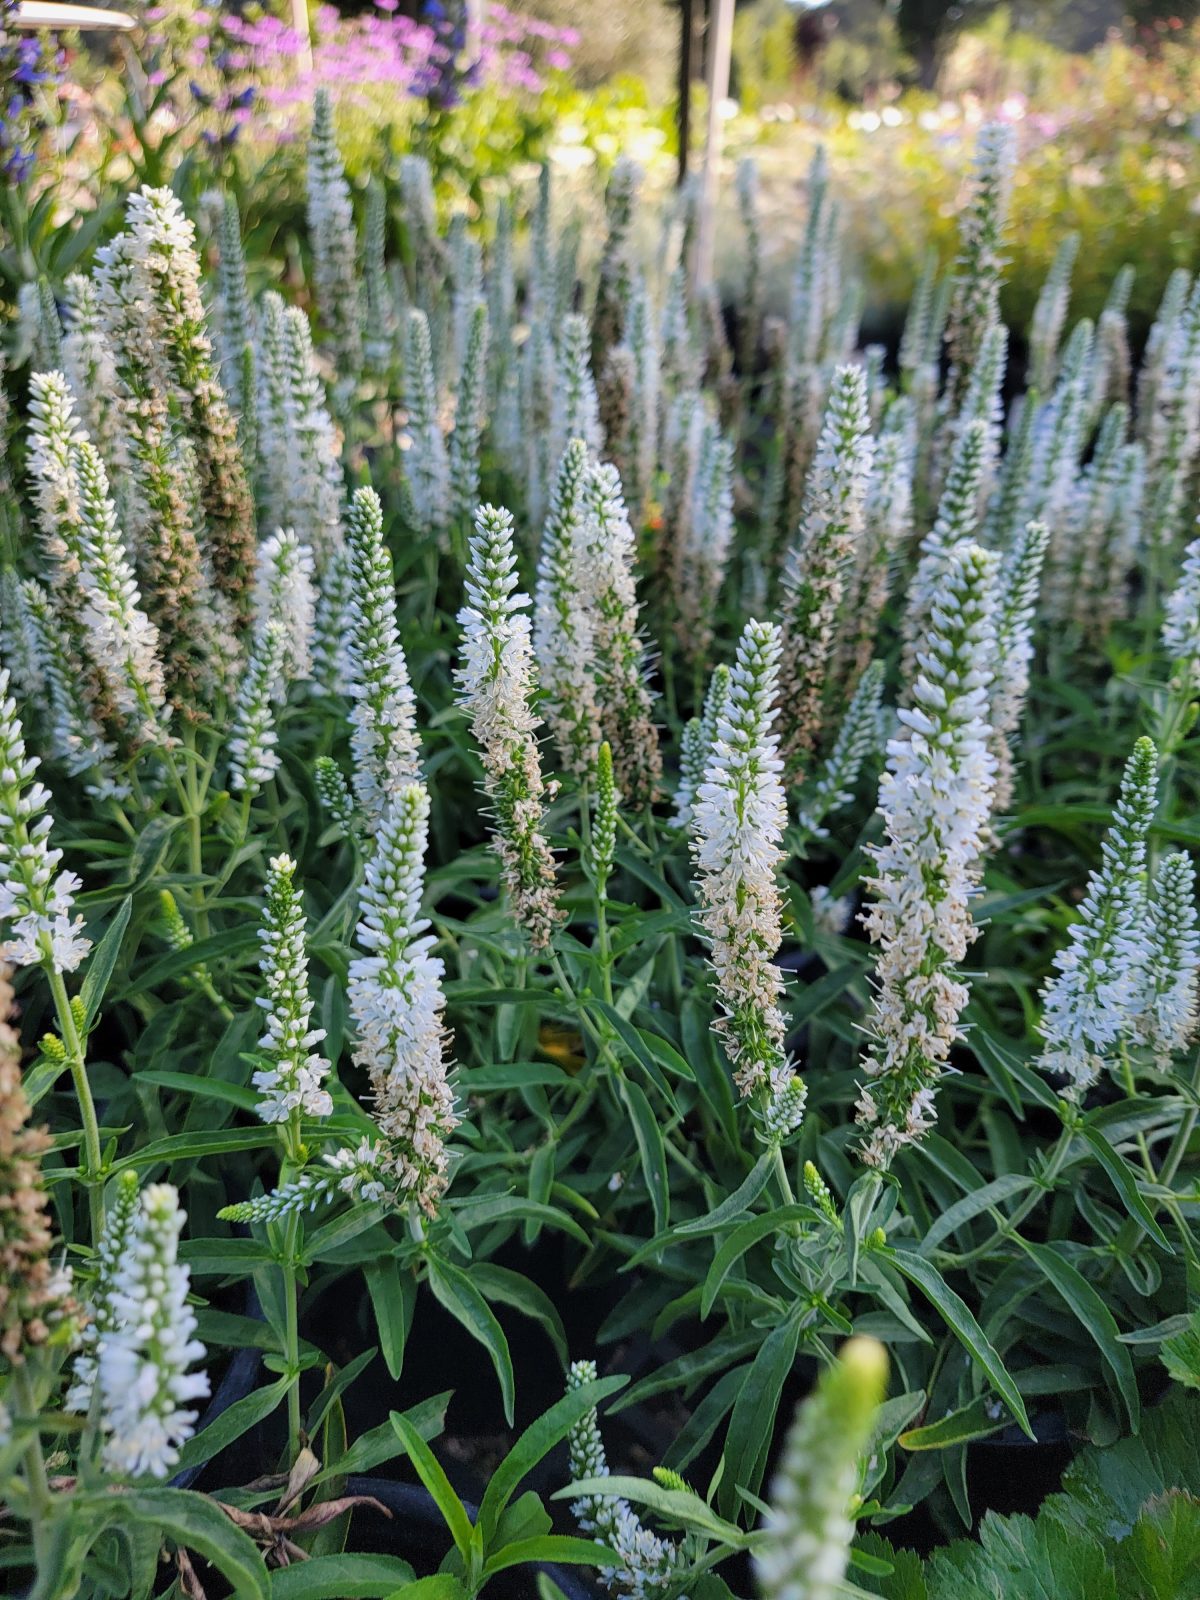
495, 683
384, 719
607, 580
334, 242
1014, 652
814, 576
1090, 1003
563, 627
292, 1077
935, 800
737, 822
978, 269
161, 245
36, 902
396, 1000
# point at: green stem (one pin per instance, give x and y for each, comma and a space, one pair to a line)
41, 1502
93, 1177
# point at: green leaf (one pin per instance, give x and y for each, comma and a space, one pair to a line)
441, 1586
1016, 1557
648, 1133
742, 1198
341, 1577
511, 1207
970, 1206
192, 1522
678, 1506
455, 1291
512, 1289
1123, 1181
744, 1238
537, 1441
231, 1424
205, 1088
186, 1146
1161, 1558
961, 1322
393, 1295
104, 959
429, 1470
975, 1421
1093, 1315
558, 1547
1181, 1354
752, 1425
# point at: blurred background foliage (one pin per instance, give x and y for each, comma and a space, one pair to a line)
1106, 98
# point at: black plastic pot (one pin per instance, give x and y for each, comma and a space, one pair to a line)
417, 1532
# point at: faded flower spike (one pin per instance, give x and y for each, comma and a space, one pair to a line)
292, 1083
35, 900
495, 684
810, 1521
738, 818
1094, 994
144, 1356
396, 1000
935, 800
35, 1293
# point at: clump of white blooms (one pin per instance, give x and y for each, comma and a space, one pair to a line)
814, 576
935, 800
120, 1225
36, 900
284, 593
737, 823
810, 1519
292, 1081
383, 739
100, 601
334, 242
1098, 980
396, 1000
1181, 625
366, 1172
830, 913
143, 1357
495, 684
1167, 1022
563, 629
647, 1564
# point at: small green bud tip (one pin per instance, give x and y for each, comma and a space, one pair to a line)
52, 1047
864, 1362
669, 1479
79, 1012
878, 1239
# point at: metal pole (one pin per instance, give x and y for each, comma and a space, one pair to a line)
720, 43
684, 116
